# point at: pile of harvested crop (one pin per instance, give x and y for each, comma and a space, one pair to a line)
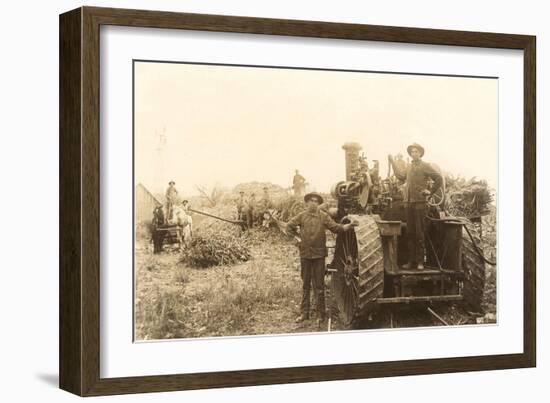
289, 206
214, 248
467, 198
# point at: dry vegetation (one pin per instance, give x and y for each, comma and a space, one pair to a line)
259, 296
467, 198
489, 242
233, 283
212, 248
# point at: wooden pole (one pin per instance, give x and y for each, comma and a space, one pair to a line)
430, 310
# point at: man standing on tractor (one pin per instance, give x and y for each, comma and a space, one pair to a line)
416, 193
298, 184
313, 224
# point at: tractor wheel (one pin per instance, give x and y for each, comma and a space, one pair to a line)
473, 266
359, 261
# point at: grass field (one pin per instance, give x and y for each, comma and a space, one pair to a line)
258, 296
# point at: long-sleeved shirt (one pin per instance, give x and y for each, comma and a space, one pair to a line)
416, 179
171, 193
312, 232
241, 201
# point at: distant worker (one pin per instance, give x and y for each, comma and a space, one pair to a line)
298, 184
250, 210
265, 208
241, 203
171, 199
416, 193
313, 224
184, 222
265, 201
158, 216
185, 206
158, 221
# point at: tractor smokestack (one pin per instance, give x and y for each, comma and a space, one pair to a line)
352, 158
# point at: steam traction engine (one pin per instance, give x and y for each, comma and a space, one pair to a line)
367, 261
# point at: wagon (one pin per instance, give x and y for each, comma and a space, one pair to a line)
170, 234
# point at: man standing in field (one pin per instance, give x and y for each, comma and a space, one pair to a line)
184, 222
298, 184
416, 192
313, 224
266, 206
158, 221
265, 201
250, 209
241, 201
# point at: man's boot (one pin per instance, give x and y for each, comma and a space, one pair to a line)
304, 306
321, 321
321, 309
303, 317
409, 266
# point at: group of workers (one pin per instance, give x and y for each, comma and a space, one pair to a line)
174, 206
173, 212
253, 211
250, 210
175, 209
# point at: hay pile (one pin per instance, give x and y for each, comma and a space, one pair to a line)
289, 206
275, 191
214, 248
284, 204
467, 198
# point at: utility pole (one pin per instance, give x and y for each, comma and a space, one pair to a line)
161, 161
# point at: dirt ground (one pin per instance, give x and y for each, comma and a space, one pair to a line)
259, 296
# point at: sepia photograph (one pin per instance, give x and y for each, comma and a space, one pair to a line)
271, 200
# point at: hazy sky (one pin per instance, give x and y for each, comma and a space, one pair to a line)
229, 125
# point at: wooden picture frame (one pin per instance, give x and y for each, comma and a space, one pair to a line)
79, 278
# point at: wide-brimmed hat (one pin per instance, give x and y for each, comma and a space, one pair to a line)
418, 147
171, 183
313, 194
184, 201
